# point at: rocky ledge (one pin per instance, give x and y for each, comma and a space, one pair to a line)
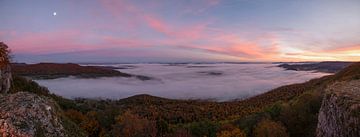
339, 114
26, 115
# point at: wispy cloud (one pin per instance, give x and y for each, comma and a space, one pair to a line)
211, 27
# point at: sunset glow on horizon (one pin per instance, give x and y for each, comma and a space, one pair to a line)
181, 30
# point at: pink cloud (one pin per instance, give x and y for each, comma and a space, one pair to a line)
354, 47
48, 42
232, 45
134, 16
68, 41
188, 32
7, 33
157, 24
340, 53
236, 46
71, 41
190, 36
125, 42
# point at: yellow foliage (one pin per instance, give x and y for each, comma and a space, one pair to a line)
233, 133
269, 128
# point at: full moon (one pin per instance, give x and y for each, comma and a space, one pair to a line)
54, 13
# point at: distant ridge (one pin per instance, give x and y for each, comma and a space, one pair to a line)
328, 66
56, 70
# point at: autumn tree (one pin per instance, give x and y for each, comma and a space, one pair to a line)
4, 54
75, 116
132, 125
90, 124
229, 130
269, 128
87, 122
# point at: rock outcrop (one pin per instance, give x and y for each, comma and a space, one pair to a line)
26, 115
5, 70
5, 78
339, 114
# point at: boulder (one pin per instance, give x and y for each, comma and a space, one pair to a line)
27, 115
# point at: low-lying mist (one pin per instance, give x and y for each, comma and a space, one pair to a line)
220, 82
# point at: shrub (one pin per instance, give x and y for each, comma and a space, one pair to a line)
204, 129
300, 116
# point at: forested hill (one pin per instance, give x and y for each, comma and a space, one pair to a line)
61, 70
54, 70
290, 110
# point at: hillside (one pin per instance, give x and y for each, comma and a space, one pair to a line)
291, 110
55, 70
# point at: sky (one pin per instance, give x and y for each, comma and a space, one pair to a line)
129, 31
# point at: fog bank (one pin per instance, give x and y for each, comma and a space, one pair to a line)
221, 82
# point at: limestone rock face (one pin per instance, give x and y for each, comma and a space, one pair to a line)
26, 115
339, 114
5, 79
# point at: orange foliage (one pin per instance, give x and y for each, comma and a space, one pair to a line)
86, 122
75, 116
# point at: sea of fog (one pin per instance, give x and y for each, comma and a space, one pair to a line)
220, 82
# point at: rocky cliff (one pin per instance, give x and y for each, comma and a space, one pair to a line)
27, 115
339, 115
